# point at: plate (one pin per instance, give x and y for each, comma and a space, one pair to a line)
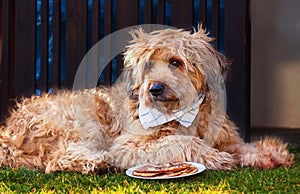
200, 167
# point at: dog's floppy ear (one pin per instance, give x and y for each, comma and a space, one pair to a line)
137, 49
136, 55
220, 62
212, 64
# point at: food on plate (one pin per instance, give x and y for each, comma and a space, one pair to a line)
170, 169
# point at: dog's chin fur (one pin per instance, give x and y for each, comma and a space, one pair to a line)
96, 129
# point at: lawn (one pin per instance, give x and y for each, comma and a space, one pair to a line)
247, 180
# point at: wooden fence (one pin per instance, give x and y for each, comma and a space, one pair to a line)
86, 22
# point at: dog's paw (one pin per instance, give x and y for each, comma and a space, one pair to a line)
211, 157
219, 161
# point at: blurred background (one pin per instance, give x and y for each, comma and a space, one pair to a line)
275, 69
275, 63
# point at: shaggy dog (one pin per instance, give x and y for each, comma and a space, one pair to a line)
166, 107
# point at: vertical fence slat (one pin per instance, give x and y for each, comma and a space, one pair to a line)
147, 12
94, 60
76, 38
25, 30
56, 44
107, 30
43, 85
4, 7
161, 12
202, 12
0, 37
215, 25
125, 19
237, 44
95, 21
7, 13
182, 14
107, 17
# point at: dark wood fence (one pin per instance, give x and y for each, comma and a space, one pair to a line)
227, 20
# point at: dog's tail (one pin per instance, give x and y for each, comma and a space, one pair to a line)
269, 152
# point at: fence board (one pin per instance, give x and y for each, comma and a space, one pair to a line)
95, 21
203, 12
215, 22
160, 15
182, 14
6, 58
76, 38
125, 19
237, 44
25, 29
43, 85
147, 12
56, 44
0, 37
94, 63
107, 30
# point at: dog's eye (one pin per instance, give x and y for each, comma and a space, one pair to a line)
134, 94
175, 62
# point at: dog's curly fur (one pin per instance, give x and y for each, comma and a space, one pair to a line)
94, 129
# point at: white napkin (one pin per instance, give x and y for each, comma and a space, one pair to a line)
151, 117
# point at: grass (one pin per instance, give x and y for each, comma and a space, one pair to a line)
246, 180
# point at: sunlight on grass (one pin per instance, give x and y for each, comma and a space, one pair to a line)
223, 187
4, 188
246, 180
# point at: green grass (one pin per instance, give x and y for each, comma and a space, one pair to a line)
247, 180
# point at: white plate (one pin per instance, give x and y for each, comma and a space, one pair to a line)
200, 167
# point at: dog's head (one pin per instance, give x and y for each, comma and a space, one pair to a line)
168, 69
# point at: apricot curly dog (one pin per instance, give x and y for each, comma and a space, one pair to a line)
165, 107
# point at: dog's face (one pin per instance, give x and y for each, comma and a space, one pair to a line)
168, 69
166, 82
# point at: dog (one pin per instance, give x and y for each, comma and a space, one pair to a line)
165, 107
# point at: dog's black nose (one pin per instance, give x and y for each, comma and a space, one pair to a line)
156, 89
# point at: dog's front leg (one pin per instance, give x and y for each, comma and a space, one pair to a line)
78, 157
131, 150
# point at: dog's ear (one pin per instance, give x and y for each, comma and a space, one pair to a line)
136, 51
212, 64
136, 56
220, 62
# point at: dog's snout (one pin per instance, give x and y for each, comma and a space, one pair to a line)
156, 89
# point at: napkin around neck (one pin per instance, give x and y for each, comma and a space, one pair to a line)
151, 117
